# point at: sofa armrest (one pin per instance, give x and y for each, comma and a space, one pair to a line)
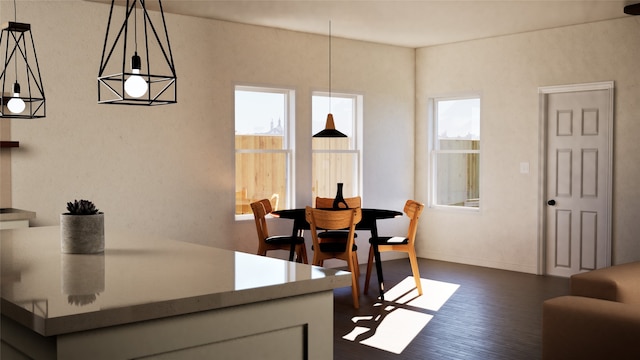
617, 283
575, 327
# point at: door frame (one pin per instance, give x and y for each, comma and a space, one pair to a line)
543, 93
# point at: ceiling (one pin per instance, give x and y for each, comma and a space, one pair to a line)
409, 23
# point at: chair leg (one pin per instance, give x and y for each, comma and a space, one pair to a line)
414, 269
356, 268
357, 265
354, 284
301, 254
368, 276
317, 261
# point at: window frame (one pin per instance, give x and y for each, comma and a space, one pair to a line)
356, 142
288, 141
434, 151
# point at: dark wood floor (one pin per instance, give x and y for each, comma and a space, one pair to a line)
494, 314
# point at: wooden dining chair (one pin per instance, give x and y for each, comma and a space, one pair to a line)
327, 203
412, 209
268, 242
347, 251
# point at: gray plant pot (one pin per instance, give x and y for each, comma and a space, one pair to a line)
82, 234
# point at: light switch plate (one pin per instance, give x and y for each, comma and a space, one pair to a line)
524, 168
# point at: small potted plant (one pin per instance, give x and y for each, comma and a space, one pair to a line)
82, 228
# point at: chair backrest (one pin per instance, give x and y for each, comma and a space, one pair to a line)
260, 210
413, 209
327, 203
333, 220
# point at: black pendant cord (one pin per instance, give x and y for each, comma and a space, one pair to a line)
329, 66
135, 27
15, 19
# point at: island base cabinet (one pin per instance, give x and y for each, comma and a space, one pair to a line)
299, 327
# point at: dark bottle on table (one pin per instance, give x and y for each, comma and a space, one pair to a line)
339, 200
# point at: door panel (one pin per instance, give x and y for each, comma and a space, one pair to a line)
577, 181
562, 238
589, 240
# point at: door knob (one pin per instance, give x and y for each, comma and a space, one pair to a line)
551, 202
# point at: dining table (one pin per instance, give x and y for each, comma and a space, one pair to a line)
369, 222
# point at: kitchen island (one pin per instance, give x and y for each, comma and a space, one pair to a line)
148, 296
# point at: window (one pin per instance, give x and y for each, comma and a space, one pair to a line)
455, 156
263, 146
337, 160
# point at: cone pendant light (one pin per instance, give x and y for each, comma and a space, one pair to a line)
330, 126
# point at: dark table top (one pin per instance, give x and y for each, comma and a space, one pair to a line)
369, 216
377, 213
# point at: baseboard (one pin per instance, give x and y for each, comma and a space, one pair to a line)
529, 269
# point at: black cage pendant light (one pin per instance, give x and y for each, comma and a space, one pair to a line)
137, 64
330, 126
22, 95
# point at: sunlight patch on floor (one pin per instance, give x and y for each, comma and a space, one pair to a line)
358, 330
392, 328
434, 293
397, 330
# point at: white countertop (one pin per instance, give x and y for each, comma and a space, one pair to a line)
138, 278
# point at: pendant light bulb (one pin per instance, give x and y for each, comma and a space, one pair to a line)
16, 104
135, 86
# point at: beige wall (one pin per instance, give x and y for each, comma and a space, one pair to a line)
170, 169
507, 72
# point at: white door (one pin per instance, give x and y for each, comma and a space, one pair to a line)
578, 178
